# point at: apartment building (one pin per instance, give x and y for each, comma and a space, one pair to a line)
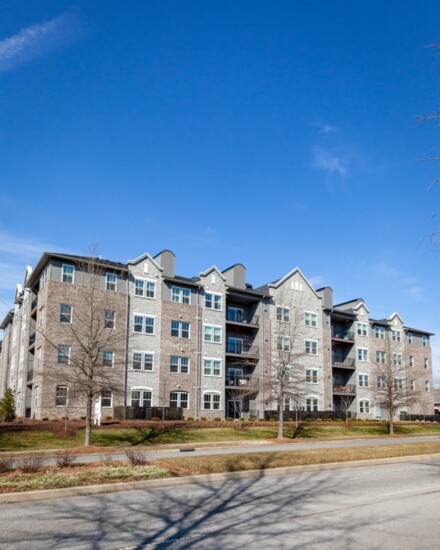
208, 344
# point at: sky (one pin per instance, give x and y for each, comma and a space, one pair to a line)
277, 134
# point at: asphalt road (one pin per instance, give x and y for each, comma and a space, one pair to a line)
376, 507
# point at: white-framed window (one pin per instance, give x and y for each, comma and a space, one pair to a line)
396, 335
212, 333
427, 386
310, 319
425, 341
381, 382
180, 329
180, 295
108, 358
411, 361
43, 279
425, 363
179, 364
283, 343
288, 405
143, 324
362, 329
39, 357
68, 274
312, 404
409, 337
213, 301
398, 383
145, 288
362, 354
212, 367
111, 281
65, 313
296, 285
109, 318
283, 314
234, 345
413, 385
63, 354
311, 347
61, 396
143, 361
141, 397
36, 396
364, 406
179, 399
364, 380
211, 401
106, 399
381, 357
379, 332
41, 316
397, 359
312, 376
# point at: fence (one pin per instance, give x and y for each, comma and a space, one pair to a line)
419, 417
302, 415
147, 413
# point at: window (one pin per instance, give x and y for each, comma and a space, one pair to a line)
109, 319
396, 335
39, 357
287, 404
180, 329
144, 288
379, 332
179, 364
426, 385
235, 314
364, 406
413, 385
398, 384
212, 334
143, 324
106, 398
143, 360
211, 401
41, 316
310, 319
397, 359
181, 295
283, 314
63, 354
409, 337
411, 360
61, 396
108, 358
111, 281
362, 329
425, 363
381, 382
65, 313
364, 381
381, 356
425, 341
312, 376
283, 343
43, 279
68, 273
212, 367
213, 301
141, 398
36, 396
179, 399
311, 347
362, 354
312, 404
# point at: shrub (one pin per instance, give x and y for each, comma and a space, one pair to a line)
217, 419
109, 417
308, 419
351, 419
229, 419
7, 407
65, 459
319, 420
155, 419
31, 464
136, 458
241, 419
203, 419
272, 419
190, 419
339, 420
6, 464
329, 419
45, 419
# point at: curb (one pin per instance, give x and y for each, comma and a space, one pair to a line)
46, 494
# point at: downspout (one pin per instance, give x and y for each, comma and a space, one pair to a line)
126, 342
198, 356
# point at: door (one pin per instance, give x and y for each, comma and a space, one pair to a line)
235, 407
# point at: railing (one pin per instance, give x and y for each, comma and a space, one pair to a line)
241, 380
347, 364
340, 389
30, 375
32, 339
342, 334
34, 304
235, 316
238, 348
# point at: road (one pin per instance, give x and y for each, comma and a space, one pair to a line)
375, 507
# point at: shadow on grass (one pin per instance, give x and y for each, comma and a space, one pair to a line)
136, 436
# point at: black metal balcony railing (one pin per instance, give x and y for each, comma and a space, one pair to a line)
241, 381
346, 364
30, 375
342, 334
32, 339
344, 389
237, 316
237, 347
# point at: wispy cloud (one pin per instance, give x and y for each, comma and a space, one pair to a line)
330, 162
324, 128
415, 292
36, 40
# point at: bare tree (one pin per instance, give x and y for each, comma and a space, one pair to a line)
95, 356
345, 402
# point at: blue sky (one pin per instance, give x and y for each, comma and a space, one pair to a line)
276, 134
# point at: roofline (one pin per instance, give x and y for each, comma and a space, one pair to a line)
212, 268
145, 255
234, 265
8, 318
182, 283
349, 301
292, 272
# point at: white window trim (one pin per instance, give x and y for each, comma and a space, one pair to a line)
312, 376
114, 319
141, 388
213, 301
153, 353
369, 406
145, 315
113, 358
144, 295
106, 281
180, 300
357, 355
181, 329
67, 395
211, 392
212, 367
71, 315
311, 347
73, 274
111, 398
179, 400
283, 308
363, 385
311, 313
311, 397
212, 341
179, 364
362, 326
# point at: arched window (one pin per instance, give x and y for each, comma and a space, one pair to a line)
141, 397
179, 399
211, 401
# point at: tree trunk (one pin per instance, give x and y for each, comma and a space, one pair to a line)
281, 419
88, 436
390, 423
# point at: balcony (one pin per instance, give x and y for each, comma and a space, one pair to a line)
238, 348
238, 317
30, 375
32, 340
349, 389
342, 335
241, 381
346, 364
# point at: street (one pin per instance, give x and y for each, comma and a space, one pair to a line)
378, 507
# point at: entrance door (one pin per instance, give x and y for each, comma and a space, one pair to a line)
235, 408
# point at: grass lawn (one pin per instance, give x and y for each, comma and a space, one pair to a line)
116, 437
